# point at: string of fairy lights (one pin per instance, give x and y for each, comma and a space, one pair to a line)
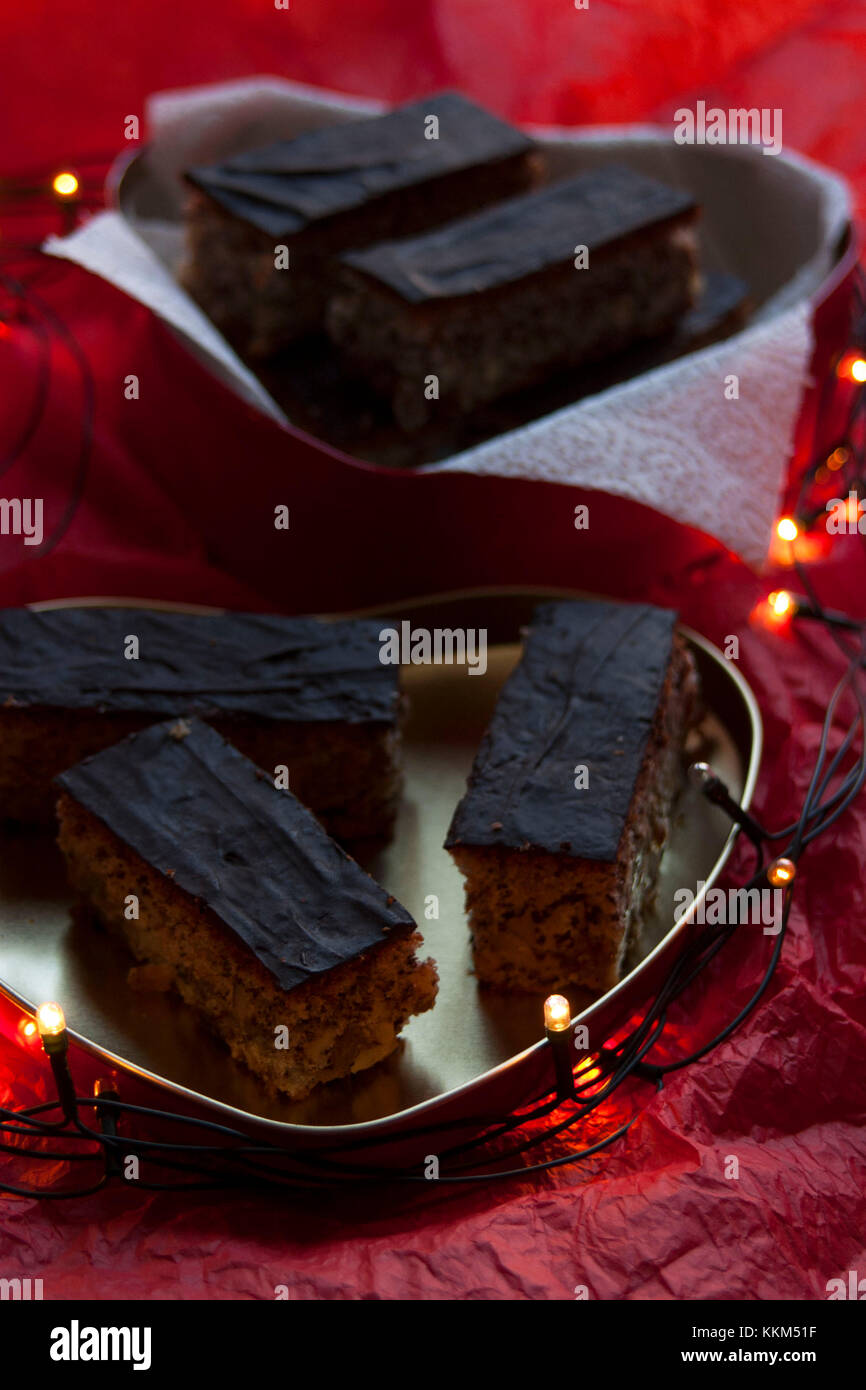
222, 1157
843, 465
96, 1135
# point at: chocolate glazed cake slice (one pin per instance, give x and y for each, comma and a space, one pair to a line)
498, 301
560, 864
296, 692
345, 185
230, 886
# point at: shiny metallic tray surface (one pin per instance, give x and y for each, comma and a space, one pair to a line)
471, 1037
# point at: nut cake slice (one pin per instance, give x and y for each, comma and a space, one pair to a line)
346, 184
311, 695
496, 302
558, 875
257, 916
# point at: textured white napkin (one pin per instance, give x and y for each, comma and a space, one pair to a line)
670, 438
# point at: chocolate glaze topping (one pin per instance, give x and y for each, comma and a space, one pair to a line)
521, 236
585, 692
250, 665
288, 186
195, 809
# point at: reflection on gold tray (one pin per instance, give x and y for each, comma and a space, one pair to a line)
47, 953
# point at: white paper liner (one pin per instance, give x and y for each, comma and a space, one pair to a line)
671, 439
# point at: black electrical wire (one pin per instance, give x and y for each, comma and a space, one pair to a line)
43, 382
320, 1167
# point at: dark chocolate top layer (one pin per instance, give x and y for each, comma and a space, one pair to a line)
237, 664
521, 236
193, 807
292, 184
585, 692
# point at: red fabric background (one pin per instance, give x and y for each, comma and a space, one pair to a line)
656, 1218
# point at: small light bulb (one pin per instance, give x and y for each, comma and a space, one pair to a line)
852, 365
50, 1020
557, 1013
65, 184
781, 602
27, 1030
837, 459
782, 872
787, 529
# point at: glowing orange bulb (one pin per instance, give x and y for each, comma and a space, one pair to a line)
27, 1030
65, 184
837, 459
557, 1013
780, 602
782, 872
852, 366
775, 611
50, 1020
787, 529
